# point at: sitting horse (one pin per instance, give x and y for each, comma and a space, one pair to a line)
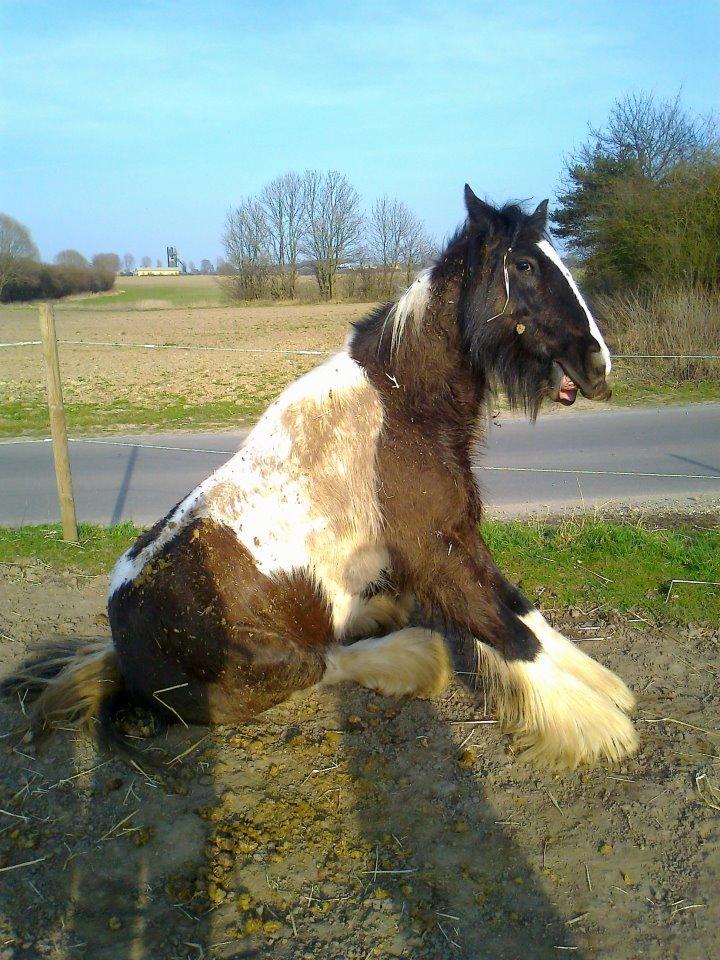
342, 541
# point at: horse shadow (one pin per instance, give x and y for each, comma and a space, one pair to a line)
458, 883
102, 869
138, 865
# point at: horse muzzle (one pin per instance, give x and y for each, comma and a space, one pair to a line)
591, 382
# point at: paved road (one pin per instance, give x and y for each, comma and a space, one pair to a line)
667, 456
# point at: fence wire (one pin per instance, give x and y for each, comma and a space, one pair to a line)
224, 453
304, 353
171, 346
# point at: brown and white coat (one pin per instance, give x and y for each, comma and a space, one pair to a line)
342, 541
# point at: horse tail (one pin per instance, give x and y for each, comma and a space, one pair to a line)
69, 681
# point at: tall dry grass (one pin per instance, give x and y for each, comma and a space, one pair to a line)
663, 323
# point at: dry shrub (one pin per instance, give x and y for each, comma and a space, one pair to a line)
665, 323
43, 281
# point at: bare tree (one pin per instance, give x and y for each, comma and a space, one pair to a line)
206, 266
246, 245
146, 262
331, 225
396, 239
128, 263
386, 232
654, 134
16, 245
15, 240
418, 249
283, 201
107, 261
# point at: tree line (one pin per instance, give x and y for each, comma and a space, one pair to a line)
639, 207
639, 201
127, 264
23, 277
314, 221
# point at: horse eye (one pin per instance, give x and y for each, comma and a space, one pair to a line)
524, 266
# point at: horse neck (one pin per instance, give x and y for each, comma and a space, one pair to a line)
427, 376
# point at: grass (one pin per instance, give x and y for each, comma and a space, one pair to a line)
628, 567
660, 323
139, 293
22, 418
630, 393
585, 562
183, 292
97, 551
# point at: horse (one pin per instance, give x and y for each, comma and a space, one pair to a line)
342, 541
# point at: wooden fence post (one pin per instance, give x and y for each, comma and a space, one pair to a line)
57, 424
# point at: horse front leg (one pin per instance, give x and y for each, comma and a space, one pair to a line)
556, 715
564, 652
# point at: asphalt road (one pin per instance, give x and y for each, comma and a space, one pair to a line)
665, 457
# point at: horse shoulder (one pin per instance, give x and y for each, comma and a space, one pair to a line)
304, 484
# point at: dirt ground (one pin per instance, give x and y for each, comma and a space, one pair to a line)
346, 825
134, 375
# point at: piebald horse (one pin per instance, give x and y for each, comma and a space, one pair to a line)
342, 541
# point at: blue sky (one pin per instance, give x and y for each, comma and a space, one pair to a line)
129, 126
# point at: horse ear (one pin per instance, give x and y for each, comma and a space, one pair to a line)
482, 214
538, 219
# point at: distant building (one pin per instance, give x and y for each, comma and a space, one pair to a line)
157, 272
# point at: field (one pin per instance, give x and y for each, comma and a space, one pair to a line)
346, 825
155, 293
109, 388
113, 388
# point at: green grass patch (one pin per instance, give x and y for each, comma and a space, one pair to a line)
628, 393
129, 294
586, 562
97, 551
171, 413
627, 567
30, 418
181, 292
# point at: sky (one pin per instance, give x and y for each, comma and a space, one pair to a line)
129, 126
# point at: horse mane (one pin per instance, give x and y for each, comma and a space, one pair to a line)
412, 303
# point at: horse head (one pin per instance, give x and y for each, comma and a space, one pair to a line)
524, 321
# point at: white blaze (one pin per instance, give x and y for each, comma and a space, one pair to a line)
552, 254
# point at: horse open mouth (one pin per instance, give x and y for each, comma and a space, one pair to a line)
565, 388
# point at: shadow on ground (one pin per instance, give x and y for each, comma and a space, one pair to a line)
341, 826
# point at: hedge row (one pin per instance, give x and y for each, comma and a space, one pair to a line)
30, 280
